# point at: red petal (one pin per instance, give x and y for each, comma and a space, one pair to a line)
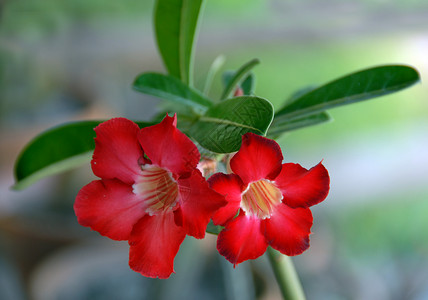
288, 229
109, 207
154, 243
198, 202
258, 158
117, 150
231, 187
168, 147
301, 187
241, 239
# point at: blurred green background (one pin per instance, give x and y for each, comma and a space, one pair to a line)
75, 60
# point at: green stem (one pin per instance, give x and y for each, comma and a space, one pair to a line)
286, 276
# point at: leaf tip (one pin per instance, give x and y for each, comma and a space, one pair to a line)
19, 185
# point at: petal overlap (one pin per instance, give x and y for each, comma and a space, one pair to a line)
258, 158
288, 229
197, 203
302, 187
168, 147
154, 243
241, 239
117, 150
110, 207
231, 186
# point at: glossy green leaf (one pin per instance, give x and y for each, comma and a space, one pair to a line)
56, 150
362, 85
171, 89
247, 85
222, 126
238, 78
280, 126
176, 23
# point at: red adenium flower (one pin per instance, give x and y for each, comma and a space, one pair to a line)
150, 192
268, 202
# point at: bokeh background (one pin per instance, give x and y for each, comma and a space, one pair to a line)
74, 60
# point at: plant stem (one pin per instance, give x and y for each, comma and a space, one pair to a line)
285, 275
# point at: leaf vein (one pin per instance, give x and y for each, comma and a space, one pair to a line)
227, 122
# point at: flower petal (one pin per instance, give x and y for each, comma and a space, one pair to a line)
302, 187
109, 207
288, 229
168, 147
154, 243
231, 187
197, 203
117, 150
241, 239
257, 159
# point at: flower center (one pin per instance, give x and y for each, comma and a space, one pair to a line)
260, 198
158, 189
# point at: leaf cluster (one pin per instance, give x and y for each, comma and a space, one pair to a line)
216, 125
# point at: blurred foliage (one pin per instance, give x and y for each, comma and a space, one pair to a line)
49, 16
386, 227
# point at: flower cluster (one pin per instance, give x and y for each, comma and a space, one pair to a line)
152, 194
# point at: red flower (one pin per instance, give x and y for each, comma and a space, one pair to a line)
150, 192
270, 200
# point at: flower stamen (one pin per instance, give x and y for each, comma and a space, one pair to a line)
260, 198
158, 189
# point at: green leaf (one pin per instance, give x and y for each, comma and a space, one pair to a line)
299, 93
362, 85
238, 77
213, 229
222, 126
56, 150
283, 125
215, 67
176, 23
172, 89
247, 85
